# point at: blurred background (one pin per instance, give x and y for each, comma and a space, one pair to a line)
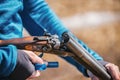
97, 23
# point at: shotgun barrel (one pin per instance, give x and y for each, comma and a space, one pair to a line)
51, 44
84, 58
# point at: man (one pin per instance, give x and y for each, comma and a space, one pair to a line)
11, 27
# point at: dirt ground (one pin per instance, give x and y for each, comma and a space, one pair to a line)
104, 39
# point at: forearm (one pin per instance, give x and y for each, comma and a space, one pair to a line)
45, 17
90, 51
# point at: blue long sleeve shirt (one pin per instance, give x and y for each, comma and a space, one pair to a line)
35, 13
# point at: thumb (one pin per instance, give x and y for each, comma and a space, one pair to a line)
34, 75
94, 78
33, 57
39, 63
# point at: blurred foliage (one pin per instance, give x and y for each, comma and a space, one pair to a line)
69, 7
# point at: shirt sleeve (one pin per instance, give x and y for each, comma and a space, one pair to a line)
8, 58
41, 13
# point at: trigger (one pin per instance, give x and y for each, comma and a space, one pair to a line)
41, 54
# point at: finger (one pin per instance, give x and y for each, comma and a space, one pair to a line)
119, 74
95, 78
35, 74
33, 57
114, 71
37, 59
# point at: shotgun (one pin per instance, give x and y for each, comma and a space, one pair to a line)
68, 46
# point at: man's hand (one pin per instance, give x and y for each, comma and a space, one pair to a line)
25, 68
34, 59
113, 70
